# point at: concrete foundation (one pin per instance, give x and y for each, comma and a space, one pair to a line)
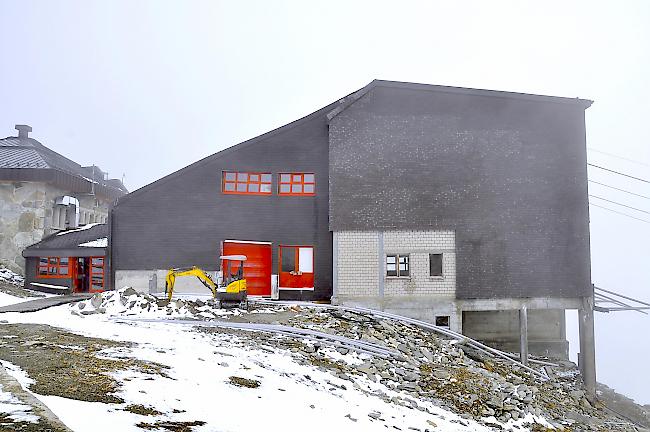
501, 329
425, 308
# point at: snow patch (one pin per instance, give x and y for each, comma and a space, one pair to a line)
100, 242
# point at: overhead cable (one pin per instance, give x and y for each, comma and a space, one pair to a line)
618, 203
619, 173
619, 189
620, 213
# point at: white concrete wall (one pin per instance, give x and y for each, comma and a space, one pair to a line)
361, 279
360, 260
419, 244
139, 281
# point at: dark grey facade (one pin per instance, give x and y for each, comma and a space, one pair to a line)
181, 220
506, 171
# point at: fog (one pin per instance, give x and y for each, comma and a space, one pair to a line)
144, 88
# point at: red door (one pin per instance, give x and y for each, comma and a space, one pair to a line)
257, 267
296, 267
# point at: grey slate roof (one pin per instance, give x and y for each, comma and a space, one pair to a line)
13, 157
67, 240
29, 153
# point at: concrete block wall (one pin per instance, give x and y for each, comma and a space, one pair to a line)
358, 261
361, 263
419, 244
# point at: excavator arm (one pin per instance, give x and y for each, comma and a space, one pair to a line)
201, 275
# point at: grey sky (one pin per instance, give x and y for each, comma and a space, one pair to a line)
145, 88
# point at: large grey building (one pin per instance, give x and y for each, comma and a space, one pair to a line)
43, 192
457, 206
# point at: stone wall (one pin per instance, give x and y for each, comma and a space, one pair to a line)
26, 216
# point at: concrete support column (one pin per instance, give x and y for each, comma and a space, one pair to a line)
381, 274
523, 334
335, 267
587, 357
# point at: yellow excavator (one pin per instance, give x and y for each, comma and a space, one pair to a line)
231, 292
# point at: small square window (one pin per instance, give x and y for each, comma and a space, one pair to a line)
241, 187
254, 177
397, 266
285, 188
230, 176
297, 178
309, 178
242, 177
266, 178
285, 178
229, 187
265, 188
308, 188
435, 265
296, 188
253, 187
442, 321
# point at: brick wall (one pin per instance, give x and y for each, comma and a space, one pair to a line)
359, 262
358, 259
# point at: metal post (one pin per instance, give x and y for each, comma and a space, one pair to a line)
588, 347
523, 334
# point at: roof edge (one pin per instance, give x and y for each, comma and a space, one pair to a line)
586, 103
321, 111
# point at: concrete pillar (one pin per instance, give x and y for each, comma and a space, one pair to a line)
587, 347
523, 334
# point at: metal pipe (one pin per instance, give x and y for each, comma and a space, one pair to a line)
419, 323
622, 296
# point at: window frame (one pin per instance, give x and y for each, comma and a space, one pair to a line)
397, 264
92, 273
248, 182
442, 265
56, 265
300, 182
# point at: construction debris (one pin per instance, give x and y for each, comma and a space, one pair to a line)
393, 354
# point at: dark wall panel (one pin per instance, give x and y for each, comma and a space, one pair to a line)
507, 174
181, 220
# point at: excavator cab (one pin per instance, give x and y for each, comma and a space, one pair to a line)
232, 270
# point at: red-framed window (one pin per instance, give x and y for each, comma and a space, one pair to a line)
249, 183
96, 274
54, 267
296, 184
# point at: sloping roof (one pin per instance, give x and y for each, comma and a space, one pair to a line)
333, 109
353, 97
69, 240
29, 153
14, 157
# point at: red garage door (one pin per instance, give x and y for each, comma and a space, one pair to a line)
257, 268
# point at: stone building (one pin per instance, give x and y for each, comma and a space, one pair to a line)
43, 192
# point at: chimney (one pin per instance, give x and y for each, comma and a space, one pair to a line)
23, 131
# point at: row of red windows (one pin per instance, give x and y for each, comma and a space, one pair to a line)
60, 267
251, 183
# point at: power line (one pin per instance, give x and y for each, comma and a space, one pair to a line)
618, 157
619, 173
619, 189
618, 203
620, 213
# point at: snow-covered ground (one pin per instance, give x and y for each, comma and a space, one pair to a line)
291, 397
